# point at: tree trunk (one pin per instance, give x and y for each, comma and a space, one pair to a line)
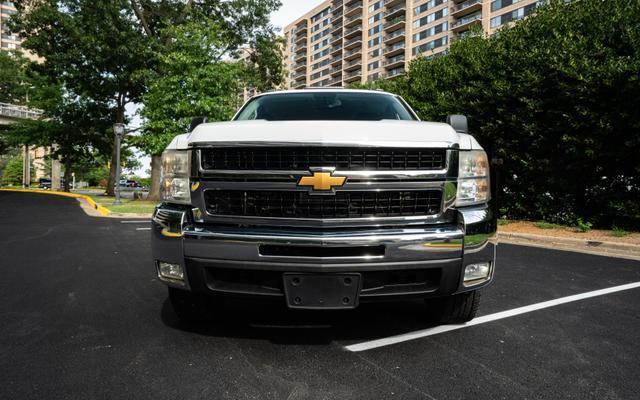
67, 174
156, 166
112, 171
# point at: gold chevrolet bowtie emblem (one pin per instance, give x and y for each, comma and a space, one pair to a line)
322, 181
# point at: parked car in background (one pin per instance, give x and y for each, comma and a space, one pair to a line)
45, 183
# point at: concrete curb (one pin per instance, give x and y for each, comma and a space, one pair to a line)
612, 249
102, 210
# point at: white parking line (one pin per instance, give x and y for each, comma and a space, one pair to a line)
486, 318
140, 221
143, 229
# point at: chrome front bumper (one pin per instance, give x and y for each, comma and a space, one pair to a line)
436, 253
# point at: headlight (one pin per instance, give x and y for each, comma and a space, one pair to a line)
473, 178
175, 177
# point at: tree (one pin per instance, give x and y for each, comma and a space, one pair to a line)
108, 50
95, 49
556, 96
13, 170
200, 71
73, 126
14, 84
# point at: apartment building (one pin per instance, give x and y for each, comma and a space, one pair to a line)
345, 41
8, 41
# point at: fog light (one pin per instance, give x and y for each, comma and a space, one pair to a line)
476, 273
170, 271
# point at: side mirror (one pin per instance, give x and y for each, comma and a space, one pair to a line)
458, 123
197, 121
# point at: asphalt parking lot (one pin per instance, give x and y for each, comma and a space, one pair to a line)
82, 316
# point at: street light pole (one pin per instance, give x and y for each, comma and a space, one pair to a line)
118, 130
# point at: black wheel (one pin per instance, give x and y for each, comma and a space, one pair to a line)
191, 307
454, 309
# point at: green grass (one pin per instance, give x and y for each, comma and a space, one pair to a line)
503, 222
546, 225
617, 232
127, 207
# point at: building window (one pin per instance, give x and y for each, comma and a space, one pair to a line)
376, 6
374, 42
434, 30
513, 15
434, 44
374, 53
320, 15
375, 18
431, 17
374, 77
373, 65
427, 6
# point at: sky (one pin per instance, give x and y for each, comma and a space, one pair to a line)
290, 11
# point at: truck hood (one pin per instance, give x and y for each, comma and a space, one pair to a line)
386, 133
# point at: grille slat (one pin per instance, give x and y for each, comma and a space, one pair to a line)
342, 158
344, 204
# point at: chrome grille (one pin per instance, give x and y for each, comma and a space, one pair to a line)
291, 158
344, 204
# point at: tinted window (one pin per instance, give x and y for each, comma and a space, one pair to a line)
319, 106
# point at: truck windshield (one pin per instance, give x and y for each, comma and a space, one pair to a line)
320, 106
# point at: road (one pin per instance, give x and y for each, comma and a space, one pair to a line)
82, 316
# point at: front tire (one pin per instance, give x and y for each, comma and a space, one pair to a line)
190, 307
458, 308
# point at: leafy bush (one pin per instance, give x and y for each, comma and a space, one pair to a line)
583, 226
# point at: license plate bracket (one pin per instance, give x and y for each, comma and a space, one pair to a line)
322, 291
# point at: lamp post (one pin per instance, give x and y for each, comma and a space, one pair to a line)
118, 130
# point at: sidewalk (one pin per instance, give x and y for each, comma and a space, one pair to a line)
594, 241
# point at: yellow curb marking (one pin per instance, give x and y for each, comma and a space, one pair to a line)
102, 210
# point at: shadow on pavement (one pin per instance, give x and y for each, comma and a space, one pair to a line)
272, 321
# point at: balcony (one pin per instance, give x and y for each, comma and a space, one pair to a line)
353, 20
335, 71
394, 62
353, 43
466, 22
299, 85
395, 36
336, 60
300, 57
335, 40
393, 50
394, 73
391, 3
298, 75
354, 31
301, 39
467, 7
335, 50
351, 54
335, 82
397, 11
352, 76
336, 24
336, 3
300, 66
353, 64
354, 9
395, 23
